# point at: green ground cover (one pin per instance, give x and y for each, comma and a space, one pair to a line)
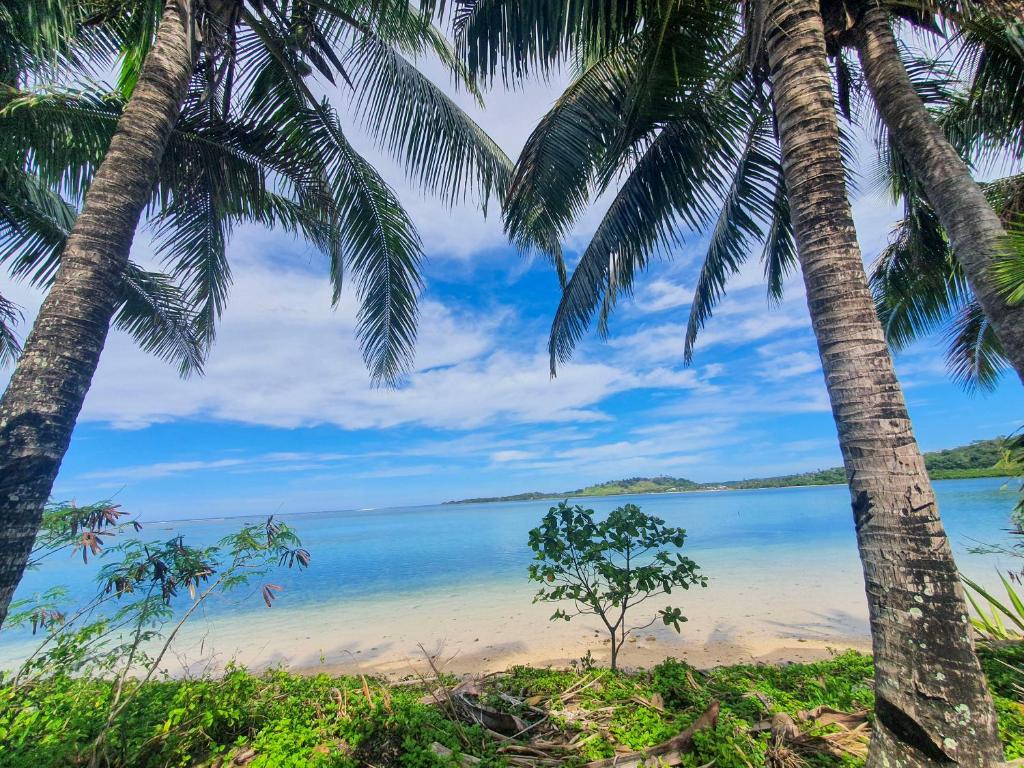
280, 718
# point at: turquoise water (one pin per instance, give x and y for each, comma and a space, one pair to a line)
734, 535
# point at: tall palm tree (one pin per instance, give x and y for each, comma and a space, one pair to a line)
668, 102
255, 60
974, 230
922, 647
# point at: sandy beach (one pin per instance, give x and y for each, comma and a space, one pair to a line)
795, 615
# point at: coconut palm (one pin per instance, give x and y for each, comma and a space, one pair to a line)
919, 287
688, 115
259, 63
918, 281
974, 230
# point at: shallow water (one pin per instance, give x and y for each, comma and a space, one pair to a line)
371, 568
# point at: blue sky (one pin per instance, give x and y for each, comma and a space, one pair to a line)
285, 419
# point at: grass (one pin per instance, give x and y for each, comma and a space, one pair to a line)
283, 719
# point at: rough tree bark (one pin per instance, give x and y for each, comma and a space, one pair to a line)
44, 397
932, 704
974, 229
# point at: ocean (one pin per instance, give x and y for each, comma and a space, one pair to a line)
781, 562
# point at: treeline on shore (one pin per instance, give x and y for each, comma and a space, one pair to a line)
982, 458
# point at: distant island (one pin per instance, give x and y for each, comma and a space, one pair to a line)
983, 458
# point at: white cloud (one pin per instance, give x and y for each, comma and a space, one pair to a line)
739, 319
284, 358
786, 361
161, 469
747, 400
660, 294
503, 457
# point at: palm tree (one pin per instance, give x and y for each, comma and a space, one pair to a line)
252, 61
668, 102
919, 287
974, 230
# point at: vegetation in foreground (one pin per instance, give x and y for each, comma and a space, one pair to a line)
982, 458
279, 718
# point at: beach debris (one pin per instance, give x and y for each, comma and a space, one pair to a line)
442, 751
656, 702
849, 735
692, 681
340, 697
579, 687
244, 756
492, 719
765, 699
668, 752
824, 715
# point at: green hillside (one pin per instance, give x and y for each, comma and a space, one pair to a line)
983, 458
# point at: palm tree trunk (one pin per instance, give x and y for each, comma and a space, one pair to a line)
932, 705
974, 229
44, 397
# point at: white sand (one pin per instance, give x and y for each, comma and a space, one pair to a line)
797, 614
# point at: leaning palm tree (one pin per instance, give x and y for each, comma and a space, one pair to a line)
253, 62
975, 233
673, 100
919, 288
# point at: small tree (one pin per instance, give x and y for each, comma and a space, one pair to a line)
611, 566
127, 628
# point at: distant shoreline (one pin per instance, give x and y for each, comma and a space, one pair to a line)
984, 458
711, 487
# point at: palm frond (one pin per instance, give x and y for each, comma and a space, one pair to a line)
1008, 270
674, 185
380, 242
47, 39
916, 283
385, 252
988, 119
65, 133
34, 225
443, 150
779, 255
10, 345
517, 38
605, 120
919, 288
748, 203
974, 356
159, 317
191, 233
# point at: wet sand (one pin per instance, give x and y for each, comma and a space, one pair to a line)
795, 615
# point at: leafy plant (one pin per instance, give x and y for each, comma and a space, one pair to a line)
607, 567
125, 630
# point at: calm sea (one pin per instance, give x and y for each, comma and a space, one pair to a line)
388, 553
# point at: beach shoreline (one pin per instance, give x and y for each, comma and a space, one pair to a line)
640, 656
793, 617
